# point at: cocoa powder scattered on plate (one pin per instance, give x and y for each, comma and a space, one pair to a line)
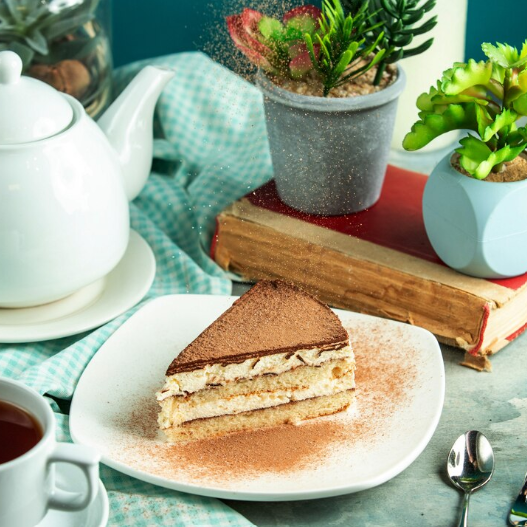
383, 381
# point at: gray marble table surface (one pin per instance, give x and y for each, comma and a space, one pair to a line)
494, 403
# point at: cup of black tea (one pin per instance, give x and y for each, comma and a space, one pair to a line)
28, 451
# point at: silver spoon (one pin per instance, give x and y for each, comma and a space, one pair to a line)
470, 465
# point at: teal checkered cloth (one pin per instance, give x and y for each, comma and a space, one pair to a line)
210, 149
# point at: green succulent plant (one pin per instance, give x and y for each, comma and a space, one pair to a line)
32, 28
340, 42
486, 97
342, 52
398, 21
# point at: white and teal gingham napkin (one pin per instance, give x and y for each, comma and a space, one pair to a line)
210, 149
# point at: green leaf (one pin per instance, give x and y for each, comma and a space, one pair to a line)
35, 12
348, 27
424, 101
523, 52
430, 4
418, 49
512, 94
36, 41
69, 25
329, 11
498, 73
303, 24
478, 92
520, 104
496, 158
410, 18
343, 63
483, 118
378, 57
505, 55
338, 9
395, 57
311, 50
474, 148
323, 47
518, 137
423, 28
13, 9
323, 23
495, 54
442, 99
469, 165
353, 47
514, 152
435, 97
502, 121
269, 26
387, 6
522, 80
432, 125
478, 160
401, 40
462, 77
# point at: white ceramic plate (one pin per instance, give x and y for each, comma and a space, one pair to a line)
95, 515
399, 398
88, 308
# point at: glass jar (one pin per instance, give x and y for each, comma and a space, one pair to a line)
66, 43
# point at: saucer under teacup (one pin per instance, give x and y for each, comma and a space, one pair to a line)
89, 307
95, 515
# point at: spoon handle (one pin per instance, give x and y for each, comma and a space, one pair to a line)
463, 520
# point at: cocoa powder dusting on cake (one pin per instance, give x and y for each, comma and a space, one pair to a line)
272, 317
385, 373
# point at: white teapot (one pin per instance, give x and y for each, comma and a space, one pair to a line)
65, 182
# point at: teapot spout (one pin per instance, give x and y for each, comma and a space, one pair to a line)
128, 125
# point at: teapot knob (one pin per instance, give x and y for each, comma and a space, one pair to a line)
10, 67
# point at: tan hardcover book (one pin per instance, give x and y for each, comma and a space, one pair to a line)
378, 262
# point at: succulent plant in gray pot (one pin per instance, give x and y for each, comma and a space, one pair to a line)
330, 89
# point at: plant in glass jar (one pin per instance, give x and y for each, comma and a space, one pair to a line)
474, 201
63, 43
330, 93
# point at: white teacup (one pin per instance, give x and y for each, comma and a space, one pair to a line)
27, 487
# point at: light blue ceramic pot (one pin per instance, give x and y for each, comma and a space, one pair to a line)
476, 227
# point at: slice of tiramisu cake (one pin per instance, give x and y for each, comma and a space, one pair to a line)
277, 355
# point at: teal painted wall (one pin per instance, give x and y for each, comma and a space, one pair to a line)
148, 28
495, 21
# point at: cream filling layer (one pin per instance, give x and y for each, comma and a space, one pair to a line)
178, 410
217, 374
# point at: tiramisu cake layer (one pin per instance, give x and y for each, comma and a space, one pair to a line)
278, 355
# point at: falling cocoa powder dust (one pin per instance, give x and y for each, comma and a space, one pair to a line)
215, 40
383, 383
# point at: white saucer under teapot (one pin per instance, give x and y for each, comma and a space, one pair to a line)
65, 182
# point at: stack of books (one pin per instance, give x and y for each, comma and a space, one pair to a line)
377, 262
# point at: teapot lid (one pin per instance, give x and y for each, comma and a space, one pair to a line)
30, 109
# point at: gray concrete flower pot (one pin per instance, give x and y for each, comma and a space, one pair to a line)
330, 155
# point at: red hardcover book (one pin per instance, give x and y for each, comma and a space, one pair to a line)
378, 261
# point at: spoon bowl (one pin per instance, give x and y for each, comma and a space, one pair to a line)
470, 465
